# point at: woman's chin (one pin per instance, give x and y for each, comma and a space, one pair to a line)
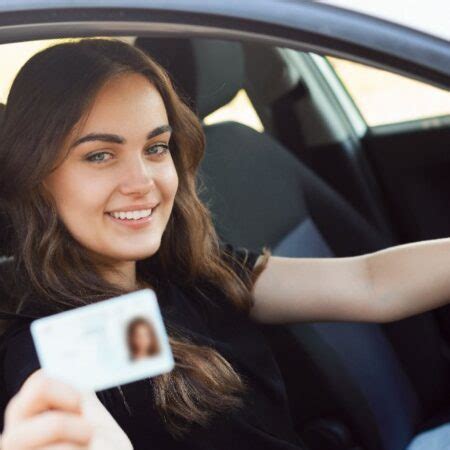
134, 254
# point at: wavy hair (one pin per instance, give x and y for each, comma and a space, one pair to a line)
50, 95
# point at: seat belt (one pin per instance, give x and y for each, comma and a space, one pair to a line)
285, 118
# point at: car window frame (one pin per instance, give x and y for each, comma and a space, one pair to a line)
342, 33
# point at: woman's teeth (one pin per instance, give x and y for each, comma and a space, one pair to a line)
132, 215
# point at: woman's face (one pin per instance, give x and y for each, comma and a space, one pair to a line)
115, 190
142, 339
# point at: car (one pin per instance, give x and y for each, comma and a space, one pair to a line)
319, 168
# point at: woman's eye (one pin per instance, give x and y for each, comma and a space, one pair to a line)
164, 148
98, 157
156, 149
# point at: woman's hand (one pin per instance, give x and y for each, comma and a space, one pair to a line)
49, 414
107, 433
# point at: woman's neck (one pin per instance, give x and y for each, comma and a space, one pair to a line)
124, 275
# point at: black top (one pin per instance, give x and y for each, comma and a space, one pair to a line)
264, 421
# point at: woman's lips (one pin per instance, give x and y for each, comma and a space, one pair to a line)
134, 223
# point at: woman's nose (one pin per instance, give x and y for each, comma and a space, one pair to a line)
137, 177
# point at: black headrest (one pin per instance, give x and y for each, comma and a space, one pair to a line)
208, 71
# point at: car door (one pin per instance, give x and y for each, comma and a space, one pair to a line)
406, 143
393, 163
403, 129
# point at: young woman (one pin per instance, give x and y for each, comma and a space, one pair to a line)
98, 161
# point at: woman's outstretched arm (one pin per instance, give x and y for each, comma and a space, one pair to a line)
383, 286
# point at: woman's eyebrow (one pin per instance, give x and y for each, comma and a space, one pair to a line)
116, 139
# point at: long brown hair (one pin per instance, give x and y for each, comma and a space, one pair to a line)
50, 95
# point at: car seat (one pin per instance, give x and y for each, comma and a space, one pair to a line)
374, 384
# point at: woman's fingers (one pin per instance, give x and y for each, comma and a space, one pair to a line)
50, 427
46, 413
40, 393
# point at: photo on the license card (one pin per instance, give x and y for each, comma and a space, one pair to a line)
106, 344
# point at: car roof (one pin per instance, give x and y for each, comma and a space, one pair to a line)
304, 25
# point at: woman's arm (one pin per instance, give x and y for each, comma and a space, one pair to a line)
383, 286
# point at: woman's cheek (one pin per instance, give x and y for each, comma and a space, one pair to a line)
169, 179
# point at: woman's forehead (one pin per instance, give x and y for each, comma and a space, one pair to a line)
128, 105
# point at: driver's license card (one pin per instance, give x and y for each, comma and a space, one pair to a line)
106, 344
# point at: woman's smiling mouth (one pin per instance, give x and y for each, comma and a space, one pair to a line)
136, 218
132, 215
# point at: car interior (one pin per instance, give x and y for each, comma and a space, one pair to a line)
308, 186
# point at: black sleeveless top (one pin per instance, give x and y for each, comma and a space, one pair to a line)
263, 422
